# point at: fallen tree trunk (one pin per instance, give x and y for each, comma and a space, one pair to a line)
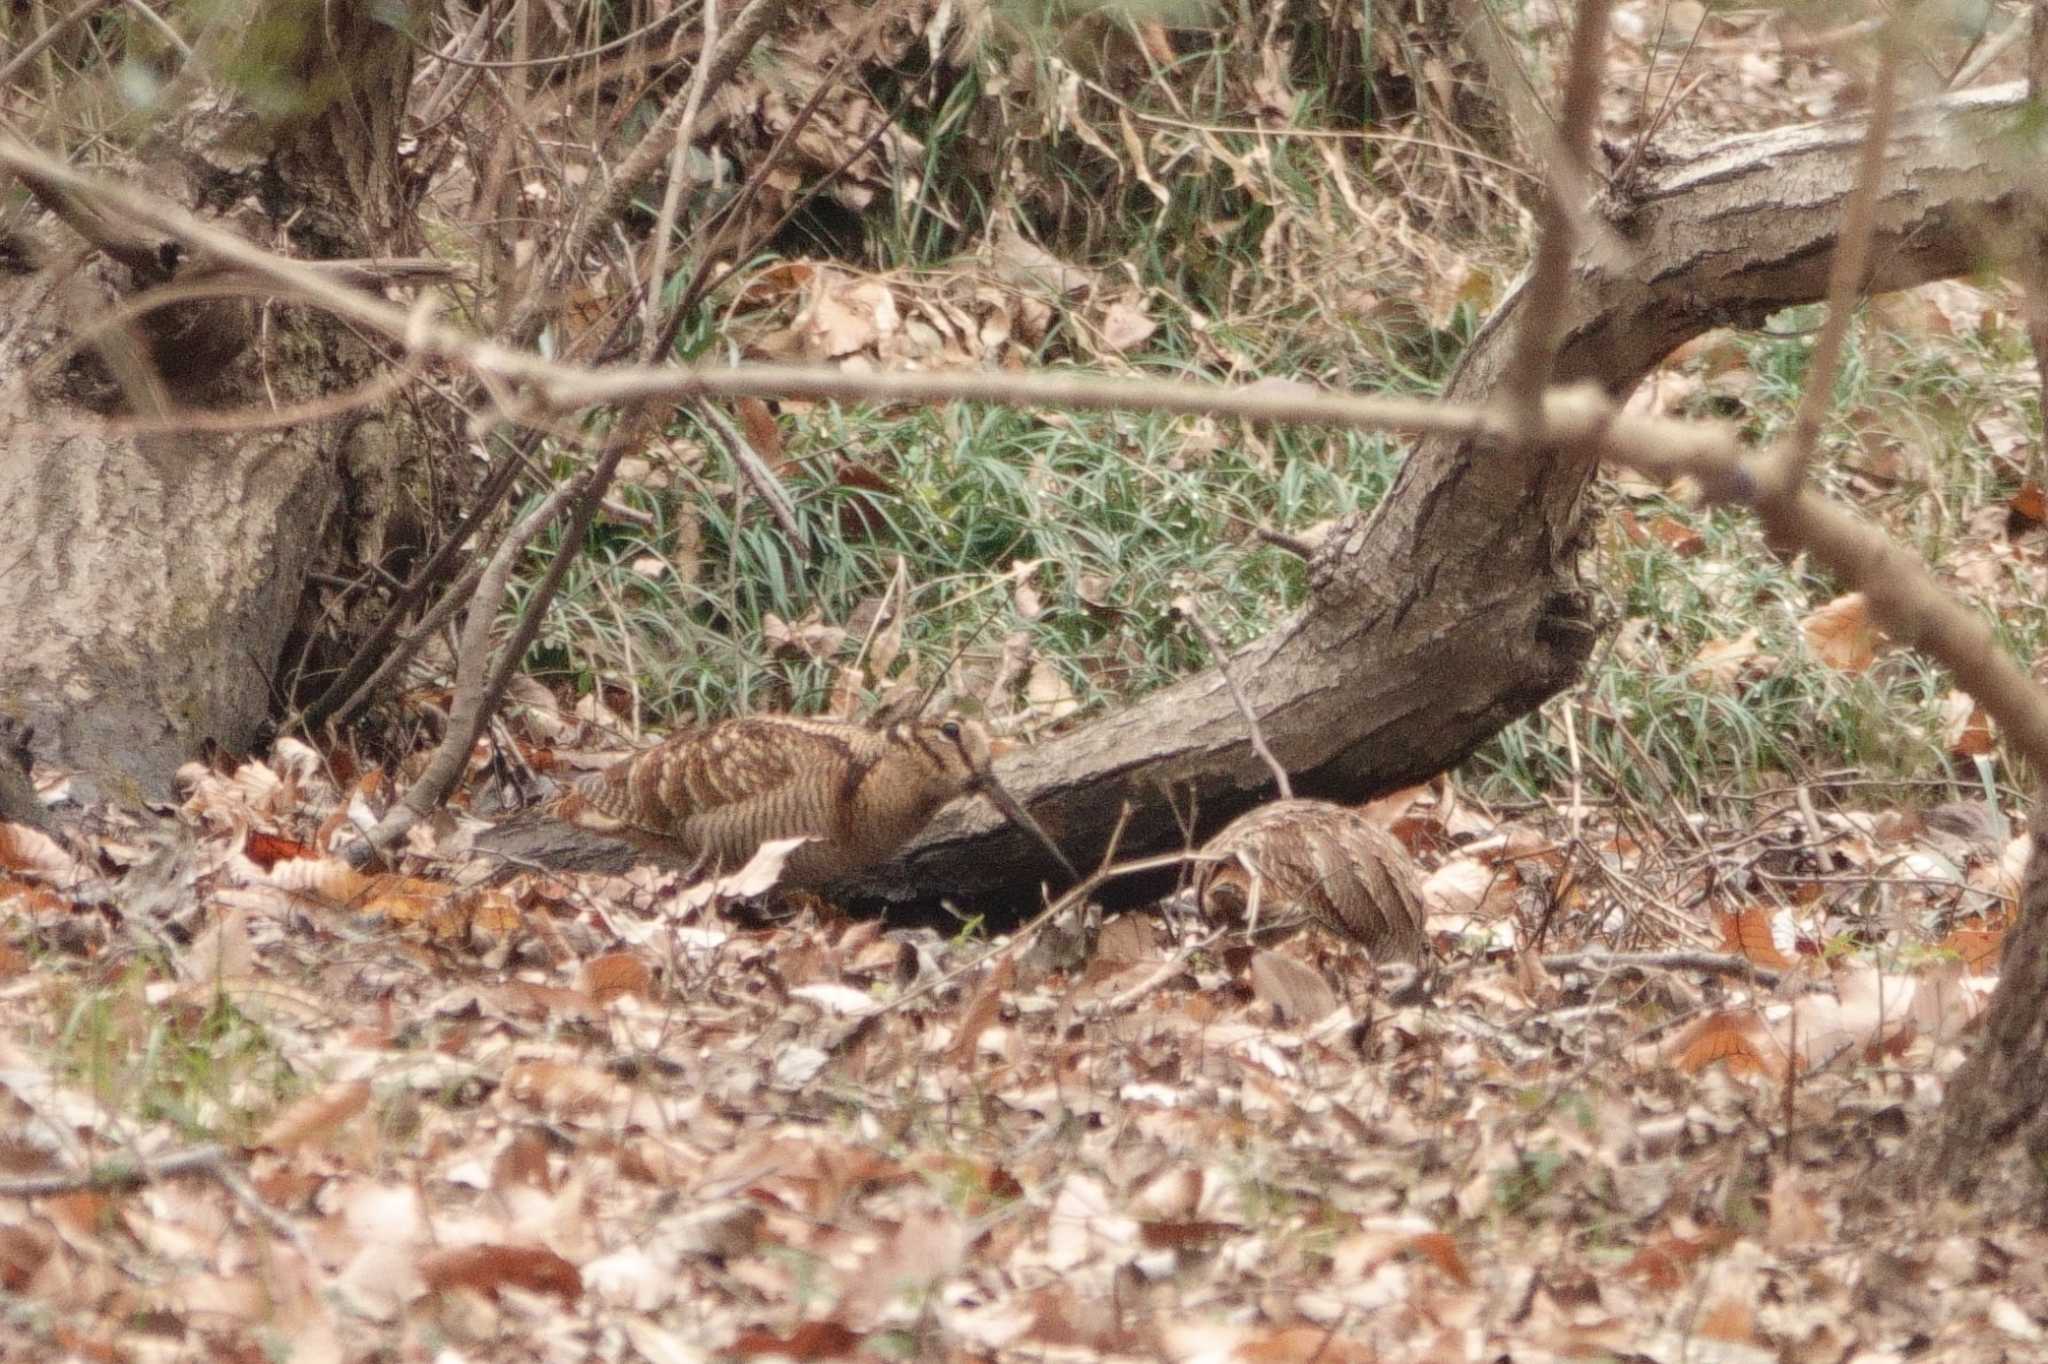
1457, 607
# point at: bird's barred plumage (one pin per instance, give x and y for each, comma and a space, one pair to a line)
715, 793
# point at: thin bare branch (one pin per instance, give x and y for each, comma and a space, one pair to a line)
639, 163
476, 679
1186, 607
756, 472
672, 193
57, 29
1567, 183
1845, 280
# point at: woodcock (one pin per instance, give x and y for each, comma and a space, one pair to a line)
714, 794
1321, 862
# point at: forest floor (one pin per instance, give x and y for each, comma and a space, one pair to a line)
1710, 931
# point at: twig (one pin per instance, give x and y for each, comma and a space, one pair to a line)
703, 282
757, 474
1100, 877
118, 1174
1905, 600
1166, 970
476, 684
1975, 66
1852, 257
1280, 539
113, 1176
1548, 290
672, 193
370, 662
34, 46
1185, 606
581, 514
401, 653
1712, 962
638, 164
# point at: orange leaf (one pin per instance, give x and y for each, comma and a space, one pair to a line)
1841, 635
267, 850
315, 1117
615, 975
487, 1268
812, 1340
1440, 1250
1729, 663
2028, 508
1726, 1037
762, 433
1176, 1234
1747, 933
1979, 940
1303, 1345
1676, 536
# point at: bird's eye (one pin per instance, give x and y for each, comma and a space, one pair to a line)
951, 729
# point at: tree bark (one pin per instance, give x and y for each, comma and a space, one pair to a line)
154, 581
1990, 1144
1456, 607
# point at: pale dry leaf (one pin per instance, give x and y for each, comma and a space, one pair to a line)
1048, 694
31, 850
1841, 634
222, 950
1125, 326
318, 1117
1965, 728
1024, 594
1729, 664
757, 877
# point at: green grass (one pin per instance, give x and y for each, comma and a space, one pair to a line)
1650, 725
1130, 511
1250, 268
1136, 510
211, 1072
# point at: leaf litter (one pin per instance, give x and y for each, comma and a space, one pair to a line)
596, 1117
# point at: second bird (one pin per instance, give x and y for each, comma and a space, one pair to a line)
714, 794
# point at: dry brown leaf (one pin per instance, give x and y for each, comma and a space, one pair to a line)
316, 1117
1754, 933
1731, 664
812, 1340
488, 1268
1841, 634
1736, 1040
983, 1009
31, 850
616, 975
1125, 326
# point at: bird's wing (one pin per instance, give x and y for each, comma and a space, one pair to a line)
721, 790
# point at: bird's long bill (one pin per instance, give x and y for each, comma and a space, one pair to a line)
1021, 817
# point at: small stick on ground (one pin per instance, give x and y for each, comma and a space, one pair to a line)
1711, 962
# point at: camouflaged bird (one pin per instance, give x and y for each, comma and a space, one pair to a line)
714, 794
1320, 862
